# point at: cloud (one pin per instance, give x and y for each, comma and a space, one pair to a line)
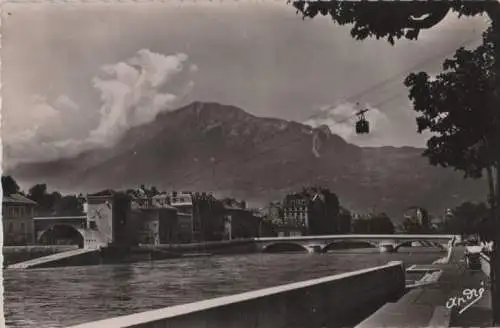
132, 93
341, 120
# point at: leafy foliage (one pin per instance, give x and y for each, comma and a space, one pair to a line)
47, 202
375, 223
9, 185
390, 20
68, 206
458, 107
417, 220
411, 225
324, 209
344, 220
468, 219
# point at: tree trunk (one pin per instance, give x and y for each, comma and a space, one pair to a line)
491, 188
495, 259
494, 14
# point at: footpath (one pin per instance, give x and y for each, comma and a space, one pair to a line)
432, 304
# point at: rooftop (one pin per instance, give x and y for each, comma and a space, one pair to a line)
17, 199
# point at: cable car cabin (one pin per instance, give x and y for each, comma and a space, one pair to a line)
362, 126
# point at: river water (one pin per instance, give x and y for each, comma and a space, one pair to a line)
59, 297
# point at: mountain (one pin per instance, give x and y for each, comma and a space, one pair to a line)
213, 147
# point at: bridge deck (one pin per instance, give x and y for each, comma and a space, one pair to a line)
33, 263
360, 236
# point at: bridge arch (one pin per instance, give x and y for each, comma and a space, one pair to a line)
58, 231
424, 243
281, 247
349, 244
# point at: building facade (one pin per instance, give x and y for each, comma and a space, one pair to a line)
418, 215
157, 220
158, 226
240, 222
296, 216
189, 227
17, 219
111, 220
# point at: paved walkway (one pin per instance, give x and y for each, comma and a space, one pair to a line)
426, 306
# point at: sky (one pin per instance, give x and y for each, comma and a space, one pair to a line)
78, 76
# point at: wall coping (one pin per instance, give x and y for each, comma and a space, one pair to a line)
183, 309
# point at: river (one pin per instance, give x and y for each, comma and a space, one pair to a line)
59, 297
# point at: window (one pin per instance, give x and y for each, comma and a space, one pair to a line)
11, 227
22, 226
92, 225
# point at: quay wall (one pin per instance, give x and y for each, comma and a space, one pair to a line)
332, 301
16, 254
236, 246
93, 257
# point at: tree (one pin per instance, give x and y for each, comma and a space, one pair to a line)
411, 225
375, 223
460, 107
361, 225
345, 221
468, 219
383, 224
323, 207
38, 192
69, 206
396, 20
9, 185
46, 201
392, 20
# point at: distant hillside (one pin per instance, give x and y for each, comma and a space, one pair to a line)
258, 159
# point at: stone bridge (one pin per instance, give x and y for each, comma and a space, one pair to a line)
320, 244
74, 226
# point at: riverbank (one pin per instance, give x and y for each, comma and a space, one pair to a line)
115, 255
16, 254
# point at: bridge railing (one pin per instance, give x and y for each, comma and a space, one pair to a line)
360, 236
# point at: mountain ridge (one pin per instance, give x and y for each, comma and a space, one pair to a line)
222, 148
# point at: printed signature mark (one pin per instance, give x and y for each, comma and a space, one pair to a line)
469, 297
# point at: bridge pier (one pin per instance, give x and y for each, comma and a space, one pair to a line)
387, 248
314, 249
